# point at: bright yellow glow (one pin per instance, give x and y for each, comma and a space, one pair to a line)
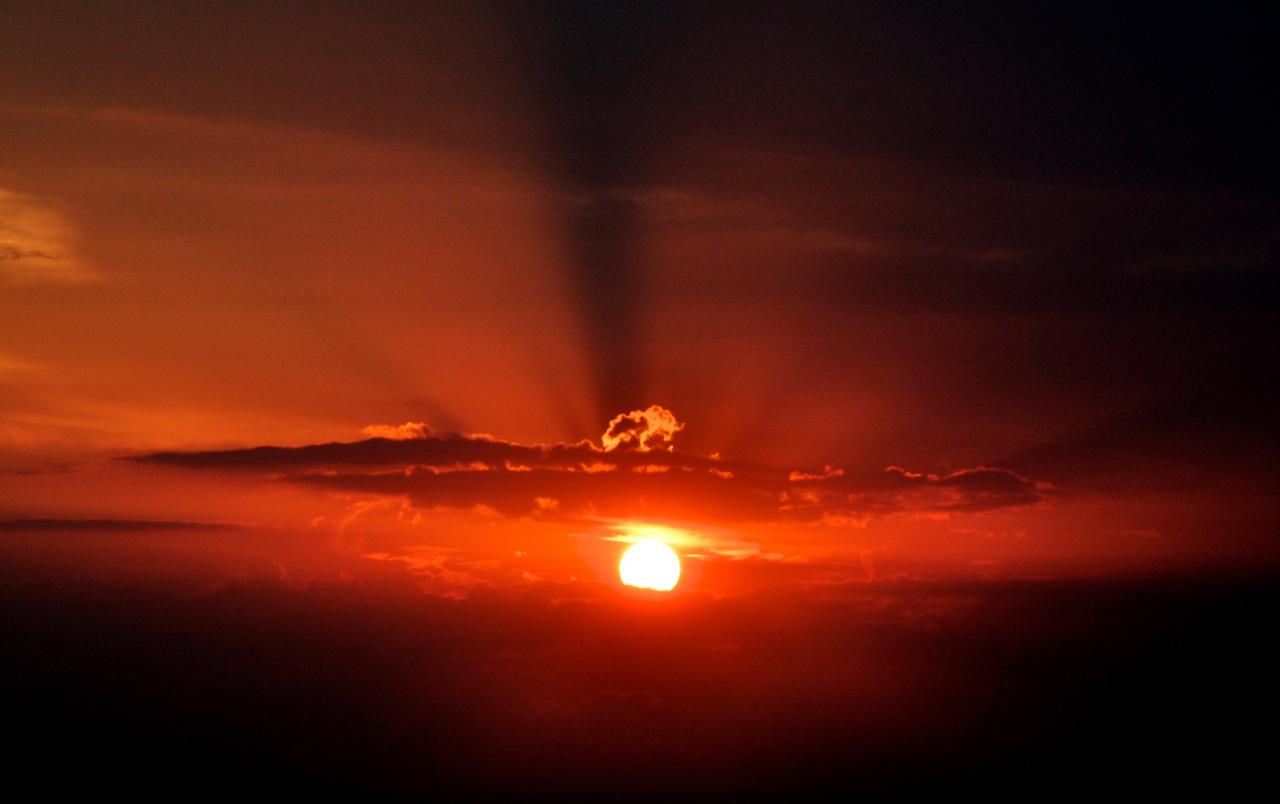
650, 564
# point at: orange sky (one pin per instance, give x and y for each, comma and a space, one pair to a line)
225, 239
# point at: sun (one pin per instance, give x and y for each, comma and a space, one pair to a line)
650, 564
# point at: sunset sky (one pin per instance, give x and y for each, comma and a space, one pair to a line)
414, 317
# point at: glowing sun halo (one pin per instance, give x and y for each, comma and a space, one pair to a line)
650, 564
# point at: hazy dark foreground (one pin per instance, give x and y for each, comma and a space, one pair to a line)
1019, 687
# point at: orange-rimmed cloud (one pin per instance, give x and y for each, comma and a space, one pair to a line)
643, 476
652, 428
397, 432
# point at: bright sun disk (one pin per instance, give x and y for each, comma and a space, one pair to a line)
650, 564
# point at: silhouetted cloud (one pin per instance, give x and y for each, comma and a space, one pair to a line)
1210, 437
638, 472
13, 253
896, 489
125, 525
360, 686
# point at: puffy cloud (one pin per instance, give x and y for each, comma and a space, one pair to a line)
397, 432
652, 428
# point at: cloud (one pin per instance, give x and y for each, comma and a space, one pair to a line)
652, 428
128, 525
826, 473
36, 243
1213, 435
636, 472
595, 694
397, 432
436, 450
979, 488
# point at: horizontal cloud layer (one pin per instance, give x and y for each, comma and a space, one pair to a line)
638, 471
125, 525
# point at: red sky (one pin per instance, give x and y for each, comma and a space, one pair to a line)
460, 299
227, 238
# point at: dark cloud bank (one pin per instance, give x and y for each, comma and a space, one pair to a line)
110, 525
1014, 688
638, 472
